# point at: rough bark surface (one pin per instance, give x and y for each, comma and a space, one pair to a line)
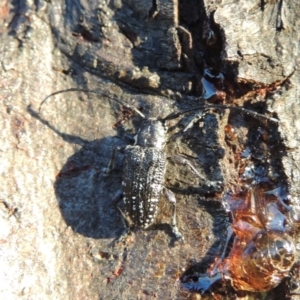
57, 218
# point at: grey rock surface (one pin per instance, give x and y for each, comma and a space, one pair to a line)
57, 219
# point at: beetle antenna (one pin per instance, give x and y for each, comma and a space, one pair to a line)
94, 92
220, 106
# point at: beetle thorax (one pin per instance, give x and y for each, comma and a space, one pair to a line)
152, 133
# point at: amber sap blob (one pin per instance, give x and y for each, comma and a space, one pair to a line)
261, 265
262, 254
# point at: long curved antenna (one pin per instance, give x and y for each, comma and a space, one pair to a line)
94, 92
220, 106
170, 116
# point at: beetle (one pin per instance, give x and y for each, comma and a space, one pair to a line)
144, 166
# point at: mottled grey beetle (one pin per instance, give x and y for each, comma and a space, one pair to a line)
143, 177
144, 167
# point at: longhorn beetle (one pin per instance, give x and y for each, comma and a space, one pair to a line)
144, 166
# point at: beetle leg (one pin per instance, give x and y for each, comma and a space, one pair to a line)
215, 270
183, 161
196, 118
111, 164
172, 199
125, 220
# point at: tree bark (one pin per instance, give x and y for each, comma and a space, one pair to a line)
57, 218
